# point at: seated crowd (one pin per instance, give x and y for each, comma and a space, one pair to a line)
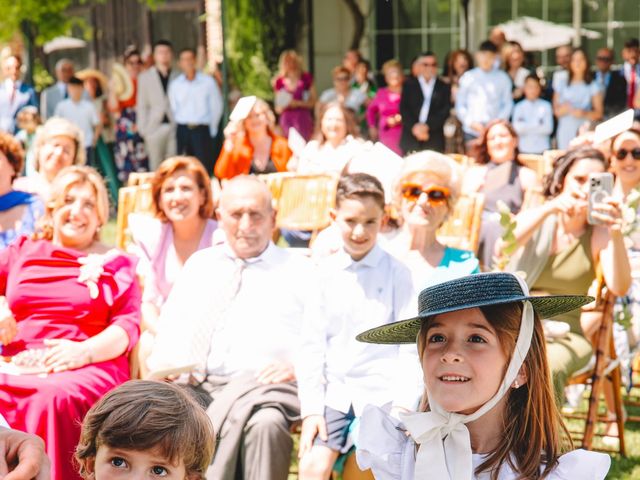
254, 341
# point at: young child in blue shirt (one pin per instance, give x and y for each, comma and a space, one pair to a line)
533, 119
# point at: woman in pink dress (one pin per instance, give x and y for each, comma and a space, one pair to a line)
183, 224
383, 113
69, 316
295, 95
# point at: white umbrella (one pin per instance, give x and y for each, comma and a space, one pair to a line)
535, 34
63, 43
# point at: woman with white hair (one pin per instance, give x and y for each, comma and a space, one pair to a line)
58, 144
424, 195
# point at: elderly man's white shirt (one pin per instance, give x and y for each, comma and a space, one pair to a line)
261, 324
334, 369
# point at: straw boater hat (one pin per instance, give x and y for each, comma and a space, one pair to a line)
445, 445
122, 83
93, 73
468, 292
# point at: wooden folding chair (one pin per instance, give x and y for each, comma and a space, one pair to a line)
136, 199
305, 201
464, 161
607, 366
274, 182
538, 163
462, 228
139, 178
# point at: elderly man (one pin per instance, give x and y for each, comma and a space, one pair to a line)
14, 94
57, 92
234, 314
611, 82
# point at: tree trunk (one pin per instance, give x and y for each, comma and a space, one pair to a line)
358, 24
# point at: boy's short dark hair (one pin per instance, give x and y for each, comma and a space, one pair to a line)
144, 414
162, 43
360, 185
192, 51
533, 77
632, 43
75, 81
488, 46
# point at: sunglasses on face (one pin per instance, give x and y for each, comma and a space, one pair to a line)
604, 59
342, 79
435, 195
623, 152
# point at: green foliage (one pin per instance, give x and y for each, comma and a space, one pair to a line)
41, 76
256, 33
46, 19
509, 247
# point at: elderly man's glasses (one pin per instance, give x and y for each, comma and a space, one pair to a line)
436, 195
623, 152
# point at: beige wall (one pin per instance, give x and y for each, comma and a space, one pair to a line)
332, 31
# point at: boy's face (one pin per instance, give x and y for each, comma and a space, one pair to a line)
125, 464
75, 92
485, 60
531, 90
359, 220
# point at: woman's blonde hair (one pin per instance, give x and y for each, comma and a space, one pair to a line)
65, 179
432, 163
392, 64
271, 117
283, 56
59, 127
190, 165
533, 430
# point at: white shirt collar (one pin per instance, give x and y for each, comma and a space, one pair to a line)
266, 256
372, 259
426, 84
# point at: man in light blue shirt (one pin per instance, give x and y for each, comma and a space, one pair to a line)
196, 104
484, 94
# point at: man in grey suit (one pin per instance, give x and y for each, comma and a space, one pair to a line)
57, 92
153, 112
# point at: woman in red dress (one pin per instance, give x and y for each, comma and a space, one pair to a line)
71, 310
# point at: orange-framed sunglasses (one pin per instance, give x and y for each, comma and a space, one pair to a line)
436, 195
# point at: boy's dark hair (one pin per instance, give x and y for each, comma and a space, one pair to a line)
162, 43
533, 77
75, 81
632, 43
488, 46
359, 185
427, 53
188, 49
144, 414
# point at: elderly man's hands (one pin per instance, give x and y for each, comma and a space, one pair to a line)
276, 372
22, 456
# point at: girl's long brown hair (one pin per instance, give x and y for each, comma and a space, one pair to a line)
534, 432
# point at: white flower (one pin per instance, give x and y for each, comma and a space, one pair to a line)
91, 269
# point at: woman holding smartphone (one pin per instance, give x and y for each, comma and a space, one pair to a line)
560, 251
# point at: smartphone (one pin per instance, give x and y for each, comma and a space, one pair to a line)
600, 187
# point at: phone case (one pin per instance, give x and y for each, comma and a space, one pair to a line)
600, 187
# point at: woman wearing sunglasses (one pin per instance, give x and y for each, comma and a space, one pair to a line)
501, 178
424, 196
560, 252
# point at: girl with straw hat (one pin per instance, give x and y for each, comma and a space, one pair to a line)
488, 411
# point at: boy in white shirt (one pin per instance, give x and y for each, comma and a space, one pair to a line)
83, 114
360, 285
533, 119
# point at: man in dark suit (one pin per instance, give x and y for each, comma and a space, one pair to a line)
612, 83
14, 94
424, 107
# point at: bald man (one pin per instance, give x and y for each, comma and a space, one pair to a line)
235, 314
611, 82
57, 92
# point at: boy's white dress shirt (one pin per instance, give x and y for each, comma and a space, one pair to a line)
335, 369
